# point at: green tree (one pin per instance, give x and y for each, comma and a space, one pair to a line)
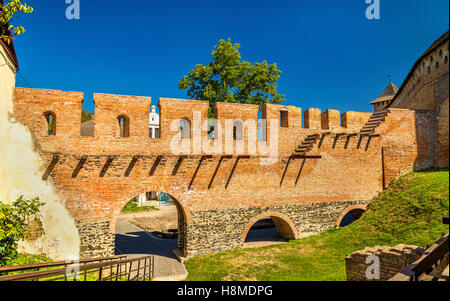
14, 220
86, 116
227, 78
7, 12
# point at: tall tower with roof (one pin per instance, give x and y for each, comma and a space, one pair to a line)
385, 98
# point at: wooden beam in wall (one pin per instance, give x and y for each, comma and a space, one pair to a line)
131, 165
50, 167
106, 166
79, 166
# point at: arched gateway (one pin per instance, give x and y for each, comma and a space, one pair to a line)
314, 172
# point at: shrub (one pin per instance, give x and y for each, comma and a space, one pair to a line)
14, 220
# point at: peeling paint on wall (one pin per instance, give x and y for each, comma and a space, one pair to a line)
20, 174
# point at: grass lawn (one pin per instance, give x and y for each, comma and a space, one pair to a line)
26, 259
409, 212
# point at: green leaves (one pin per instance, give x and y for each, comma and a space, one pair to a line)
7, 11
86, 116
229, 79
14, 220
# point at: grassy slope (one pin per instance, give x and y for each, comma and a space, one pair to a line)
409, 212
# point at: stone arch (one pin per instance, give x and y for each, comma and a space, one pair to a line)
358, 207
50, 123
284, 225
183, 213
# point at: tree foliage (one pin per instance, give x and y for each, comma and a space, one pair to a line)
227, 78
14, 221
7, 12
86, 116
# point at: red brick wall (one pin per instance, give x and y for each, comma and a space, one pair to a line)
313, 118
350, 168
354, 120
331, 120
174, 109
245, 117
400, 143
427, 89
30, 105
109, 107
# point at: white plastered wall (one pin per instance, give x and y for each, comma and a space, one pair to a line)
21, 170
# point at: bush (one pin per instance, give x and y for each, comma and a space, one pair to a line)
14, 220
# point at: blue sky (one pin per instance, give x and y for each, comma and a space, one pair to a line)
330, 54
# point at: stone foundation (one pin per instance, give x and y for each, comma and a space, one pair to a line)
96, 239
222, 230
215, 231
392, 261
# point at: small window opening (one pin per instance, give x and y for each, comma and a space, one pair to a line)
51, 123
284, 121
185, 128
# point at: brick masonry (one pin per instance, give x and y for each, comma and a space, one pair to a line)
392, 260
427, 89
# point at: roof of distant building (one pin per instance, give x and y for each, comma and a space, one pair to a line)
387, 95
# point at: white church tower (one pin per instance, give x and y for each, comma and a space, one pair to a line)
154, 123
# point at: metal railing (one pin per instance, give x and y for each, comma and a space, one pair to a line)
431, 260
101, 269
44, 266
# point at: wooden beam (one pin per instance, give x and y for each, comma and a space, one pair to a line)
336, 138
177, 165
323, 138
197, 169
155, 165
300, 172
131, 165
215, 172
359, 142
79, 166
50, 167
347, 141
305, 157
232, 172
285, 170
106, 166
368, 143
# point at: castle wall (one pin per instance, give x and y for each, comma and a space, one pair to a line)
427, 89
108, 109
219, 195
32, 104
331, 120
354, 120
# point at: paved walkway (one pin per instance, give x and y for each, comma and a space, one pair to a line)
133, 241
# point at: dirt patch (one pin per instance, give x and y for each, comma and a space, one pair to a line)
161, 226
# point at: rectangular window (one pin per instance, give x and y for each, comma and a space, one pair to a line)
284, 121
